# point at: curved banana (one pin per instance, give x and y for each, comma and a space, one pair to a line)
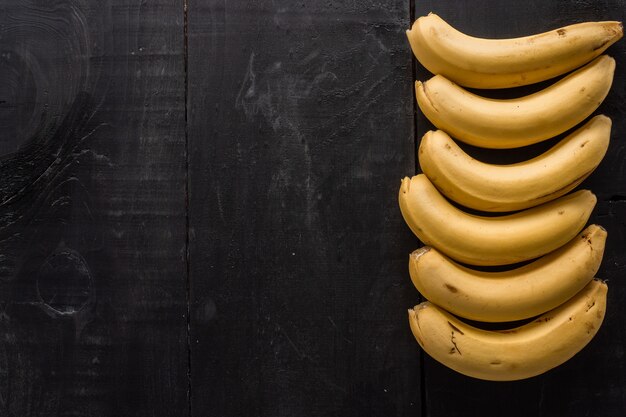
519, 353
510, 295
499, 240
504, 63
498, 188
512, 123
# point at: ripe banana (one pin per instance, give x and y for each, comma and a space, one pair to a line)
498, 188
512, 123
478, 240
519, 353
504, 63
510, 295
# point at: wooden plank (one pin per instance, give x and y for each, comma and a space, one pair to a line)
300, 129
593, 383
92, 212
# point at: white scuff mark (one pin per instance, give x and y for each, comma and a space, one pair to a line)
249, 81
220, 207
280, 92
291, 343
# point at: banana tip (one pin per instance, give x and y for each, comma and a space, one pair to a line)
602, 118
602, 282
405, 185
416, 254
588, 194
413, 311
421, 306
608, 61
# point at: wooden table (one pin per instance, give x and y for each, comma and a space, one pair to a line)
199, 212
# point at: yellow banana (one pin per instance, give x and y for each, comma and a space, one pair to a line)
498, 188
510, 295
477, 240
512, 123
518, 353
504, 63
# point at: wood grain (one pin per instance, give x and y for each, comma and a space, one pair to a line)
593, 383
300, 129
240, 161
92, 209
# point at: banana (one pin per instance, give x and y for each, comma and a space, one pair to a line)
510, 295
512, 123
498, 188
478, 240
504, 63
514, 354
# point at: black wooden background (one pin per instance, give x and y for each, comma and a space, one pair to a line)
198, 212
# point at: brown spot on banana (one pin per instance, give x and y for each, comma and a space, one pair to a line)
451, 288
455, 328
587, 238
455, 348
562, 32
405, 185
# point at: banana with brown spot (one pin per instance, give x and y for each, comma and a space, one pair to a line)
514, 354
514, 294
501, 240
499, 188
503, 63
512, 123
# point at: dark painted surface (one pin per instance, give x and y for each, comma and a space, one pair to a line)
300, 129
299, 122
92, 209
593, 383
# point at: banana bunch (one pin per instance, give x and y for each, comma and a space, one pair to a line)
555, 291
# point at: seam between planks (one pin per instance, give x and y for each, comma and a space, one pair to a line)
187, 265
423, 408
414, 72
